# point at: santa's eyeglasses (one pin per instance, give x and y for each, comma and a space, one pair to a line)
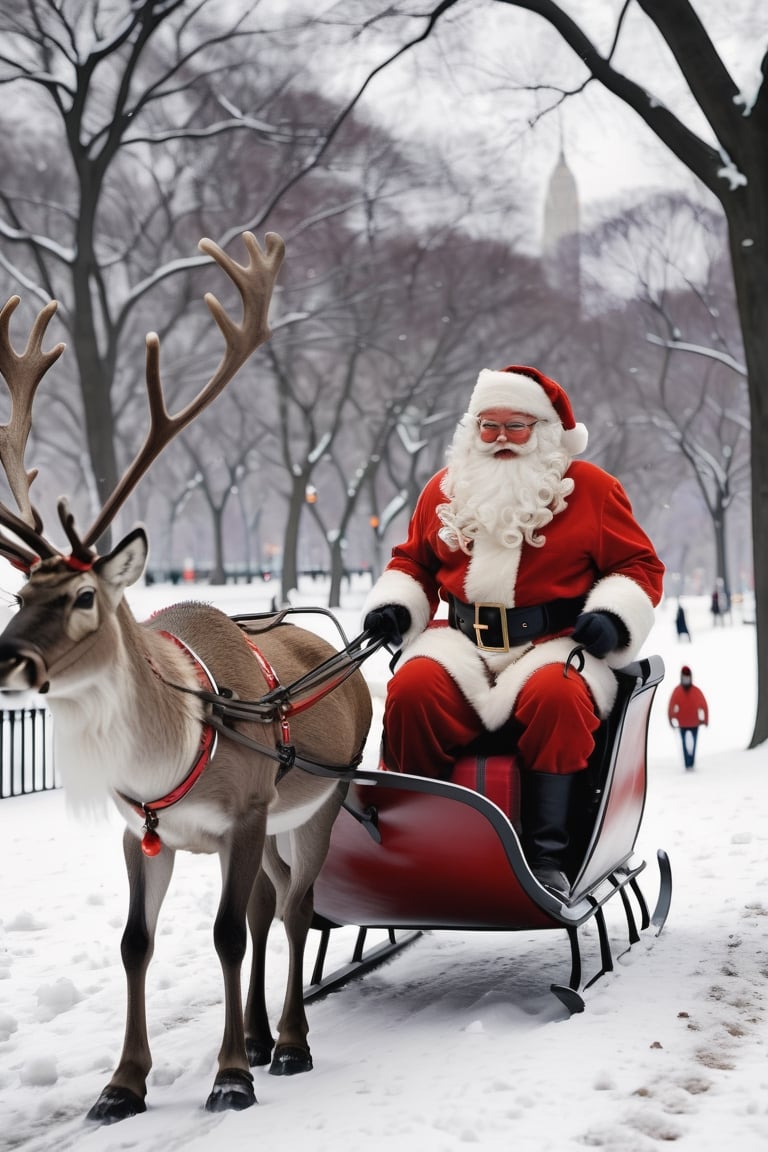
490, 430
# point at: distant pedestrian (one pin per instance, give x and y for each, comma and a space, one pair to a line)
716, 618
688, 710
720, 603
681, 624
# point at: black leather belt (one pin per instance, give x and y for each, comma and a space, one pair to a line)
494, 628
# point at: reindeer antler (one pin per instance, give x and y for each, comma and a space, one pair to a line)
22, 372
255, 282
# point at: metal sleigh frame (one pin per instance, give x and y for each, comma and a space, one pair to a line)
410, 854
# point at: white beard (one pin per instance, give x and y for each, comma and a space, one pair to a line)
509, 499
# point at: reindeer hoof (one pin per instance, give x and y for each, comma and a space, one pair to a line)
258, 1052
116, 1104
232, 1091
289, 1060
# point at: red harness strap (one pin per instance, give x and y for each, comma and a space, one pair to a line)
302, 705
273, 681
292, 707
150, 844
267, 670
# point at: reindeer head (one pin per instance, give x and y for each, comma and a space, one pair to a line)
68, 609
69, 598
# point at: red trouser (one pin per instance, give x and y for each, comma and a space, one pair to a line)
428, 722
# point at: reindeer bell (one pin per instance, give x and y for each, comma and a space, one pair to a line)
150, 841
151, 844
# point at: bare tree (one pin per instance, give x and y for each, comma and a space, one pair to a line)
729, 157
712, 437
153, 123
672, 253
390, 345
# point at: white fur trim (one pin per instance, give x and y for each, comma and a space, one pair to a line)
492, 572
494, 702
511, 390
395, 587
575, 440
502, 696
626, 599
523, 394
459, 656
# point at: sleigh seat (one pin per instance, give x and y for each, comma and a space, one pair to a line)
491, 768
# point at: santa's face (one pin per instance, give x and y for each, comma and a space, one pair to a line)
505, 430
505, 482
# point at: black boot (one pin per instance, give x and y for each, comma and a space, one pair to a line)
546, 801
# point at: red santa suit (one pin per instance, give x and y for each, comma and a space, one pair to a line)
595, 557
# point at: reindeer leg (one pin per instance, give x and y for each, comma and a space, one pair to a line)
240, 863
309, 847
259, 1041
292, 1054
148, 881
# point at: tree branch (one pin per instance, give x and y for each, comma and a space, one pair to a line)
703, 160
700, 350
704, 72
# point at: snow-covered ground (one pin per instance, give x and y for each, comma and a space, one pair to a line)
458, 1041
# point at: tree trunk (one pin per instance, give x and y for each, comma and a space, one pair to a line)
290, 573
218, 574
96, 390
748, 234
719, 522
337, 573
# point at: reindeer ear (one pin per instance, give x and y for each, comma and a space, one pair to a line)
125, 563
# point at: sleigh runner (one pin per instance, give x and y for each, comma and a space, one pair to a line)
410, 854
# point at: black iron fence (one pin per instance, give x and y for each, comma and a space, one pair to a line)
26, 752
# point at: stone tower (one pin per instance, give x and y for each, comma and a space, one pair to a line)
560, 236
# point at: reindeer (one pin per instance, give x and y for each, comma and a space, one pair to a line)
133, 712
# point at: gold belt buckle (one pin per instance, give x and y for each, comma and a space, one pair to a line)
480, 628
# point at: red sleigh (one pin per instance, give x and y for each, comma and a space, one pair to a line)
410, 854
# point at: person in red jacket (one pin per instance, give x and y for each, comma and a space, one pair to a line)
533, 553
687, 711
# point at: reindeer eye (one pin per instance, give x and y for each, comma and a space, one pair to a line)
85, 598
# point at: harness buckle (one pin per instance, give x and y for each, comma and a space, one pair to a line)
479, 627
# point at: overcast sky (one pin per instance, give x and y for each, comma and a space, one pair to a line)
462, 88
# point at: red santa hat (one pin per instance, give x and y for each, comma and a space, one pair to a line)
524, 389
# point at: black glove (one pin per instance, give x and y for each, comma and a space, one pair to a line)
388, 622
600, 632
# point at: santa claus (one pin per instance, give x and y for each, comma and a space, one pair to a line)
533, 553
